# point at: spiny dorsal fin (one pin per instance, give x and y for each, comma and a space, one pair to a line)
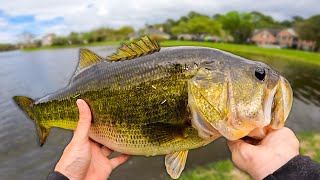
87, 58
135, 49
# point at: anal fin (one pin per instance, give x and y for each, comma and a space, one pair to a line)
175, 163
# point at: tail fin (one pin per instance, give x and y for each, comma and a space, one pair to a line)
26, 104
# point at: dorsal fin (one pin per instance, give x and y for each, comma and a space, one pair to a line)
135, 49
87, 58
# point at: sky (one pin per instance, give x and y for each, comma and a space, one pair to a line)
41, 17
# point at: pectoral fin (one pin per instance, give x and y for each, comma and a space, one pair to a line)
175, 163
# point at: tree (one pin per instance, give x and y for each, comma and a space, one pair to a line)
198, 24
286, 23
310, 29
216, 17
123, 32
58, 40
239, 25
7, 47
88, 37
75, 38
167, 26
260, 20
102, 34
193, 14
297, 19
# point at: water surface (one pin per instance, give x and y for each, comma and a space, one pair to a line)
38, 73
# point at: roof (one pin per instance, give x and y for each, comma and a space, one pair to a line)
292, 32
274, 32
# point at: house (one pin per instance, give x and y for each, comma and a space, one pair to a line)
47, 39
265, 37
306, 45
187, 37
288, 38
153, 33
212, 38
285, 38
204, 37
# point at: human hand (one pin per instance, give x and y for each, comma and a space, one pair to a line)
272, 152
83, 158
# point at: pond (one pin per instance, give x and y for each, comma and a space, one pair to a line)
38, 73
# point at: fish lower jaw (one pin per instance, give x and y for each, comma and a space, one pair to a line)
281, 104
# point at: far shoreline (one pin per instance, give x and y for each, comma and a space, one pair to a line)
241, 50
106, 43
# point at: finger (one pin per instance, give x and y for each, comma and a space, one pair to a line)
82, 130
240, 146
258, 133
251, 140
115, 162
95, 144
106, 151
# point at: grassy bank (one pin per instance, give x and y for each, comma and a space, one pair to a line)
225, 169
248, 51
252, 51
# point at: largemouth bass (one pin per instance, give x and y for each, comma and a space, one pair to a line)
147, 101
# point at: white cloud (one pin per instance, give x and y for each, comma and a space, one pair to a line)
88, 14
3, 22
6, 37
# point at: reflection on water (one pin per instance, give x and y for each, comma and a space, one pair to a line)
37, 73
303, 77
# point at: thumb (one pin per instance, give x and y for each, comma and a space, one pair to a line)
82, 130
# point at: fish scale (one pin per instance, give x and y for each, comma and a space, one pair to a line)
120, 83
150, 102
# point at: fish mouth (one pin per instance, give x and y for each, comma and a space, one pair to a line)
278, 104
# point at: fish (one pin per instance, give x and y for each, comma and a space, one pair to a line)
147, 100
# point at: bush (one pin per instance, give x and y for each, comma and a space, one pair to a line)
60, 41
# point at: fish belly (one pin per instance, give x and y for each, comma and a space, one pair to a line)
133, 140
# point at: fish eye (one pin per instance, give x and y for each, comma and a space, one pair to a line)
260, 73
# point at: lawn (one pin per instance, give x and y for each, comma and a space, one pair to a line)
248, 51
225, 169
251, 51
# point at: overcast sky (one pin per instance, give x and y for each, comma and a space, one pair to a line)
62, 16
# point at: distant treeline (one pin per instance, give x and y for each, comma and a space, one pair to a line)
239, 26
7, 47
97, 35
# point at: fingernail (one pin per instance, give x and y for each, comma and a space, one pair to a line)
79, 103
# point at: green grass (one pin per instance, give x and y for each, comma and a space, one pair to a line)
248, 51
225, 169
310, 145
220, 170
252, 51
106, 43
